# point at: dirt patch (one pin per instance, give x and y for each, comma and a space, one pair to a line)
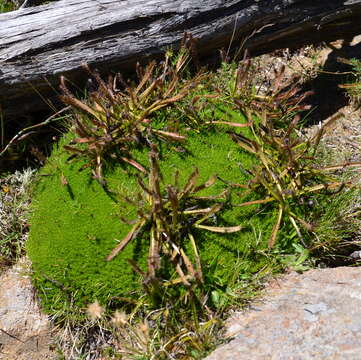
25, 332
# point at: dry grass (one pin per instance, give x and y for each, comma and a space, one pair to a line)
14, 211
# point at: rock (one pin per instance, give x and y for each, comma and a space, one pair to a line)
316, 315
25, 332
356, 255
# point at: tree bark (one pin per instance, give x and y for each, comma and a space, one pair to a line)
40, 43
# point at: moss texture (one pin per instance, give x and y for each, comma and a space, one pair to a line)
75, 226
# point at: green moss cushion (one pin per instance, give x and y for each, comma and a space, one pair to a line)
76, 223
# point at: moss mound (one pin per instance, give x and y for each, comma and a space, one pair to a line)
76, 223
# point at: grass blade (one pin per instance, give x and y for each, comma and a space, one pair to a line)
131, 234
276, 228
220, 229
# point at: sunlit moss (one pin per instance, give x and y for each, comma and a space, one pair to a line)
75, 226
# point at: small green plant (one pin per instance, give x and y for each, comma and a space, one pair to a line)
6, 5
285, 172
112, 122
353, 87
278, 96
169, 217
237, 88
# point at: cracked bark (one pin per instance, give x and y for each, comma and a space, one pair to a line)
37, 44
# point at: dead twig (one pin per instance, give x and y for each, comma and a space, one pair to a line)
12, 336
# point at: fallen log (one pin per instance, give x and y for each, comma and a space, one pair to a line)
37, 44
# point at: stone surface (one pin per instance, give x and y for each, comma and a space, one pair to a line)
316, 315
24, 331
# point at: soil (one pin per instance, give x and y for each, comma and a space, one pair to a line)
25, 332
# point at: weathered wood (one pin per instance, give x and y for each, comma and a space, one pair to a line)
38, 44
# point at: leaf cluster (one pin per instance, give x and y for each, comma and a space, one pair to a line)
113, 121
285, 172
170, 213
280, 98
276, 95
